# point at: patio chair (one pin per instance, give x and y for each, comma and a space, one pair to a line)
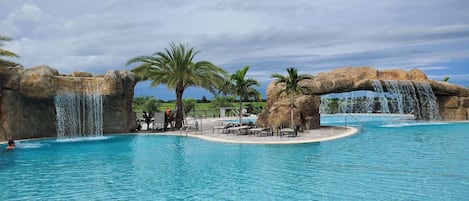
192, 125
267, 132
257, 131
293, 132
222, 126
240, 130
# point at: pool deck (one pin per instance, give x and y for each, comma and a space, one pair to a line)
207, 132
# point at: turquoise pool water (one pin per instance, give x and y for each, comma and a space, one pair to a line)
236, 121
390, 159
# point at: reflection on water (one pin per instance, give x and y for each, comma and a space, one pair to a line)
81, 139
388, 160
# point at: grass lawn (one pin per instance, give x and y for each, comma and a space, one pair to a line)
206, 109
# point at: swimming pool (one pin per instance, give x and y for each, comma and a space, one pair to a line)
390, 159
236, 121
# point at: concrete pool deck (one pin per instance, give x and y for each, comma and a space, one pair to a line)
207, 132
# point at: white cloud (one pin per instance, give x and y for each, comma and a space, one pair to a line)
23, 20
267, 35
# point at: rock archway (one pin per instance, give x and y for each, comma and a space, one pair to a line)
453, 100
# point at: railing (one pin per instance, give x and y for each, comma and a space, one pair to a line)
361, 124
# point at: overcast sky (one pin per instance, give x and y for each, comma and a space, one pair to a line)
269, 36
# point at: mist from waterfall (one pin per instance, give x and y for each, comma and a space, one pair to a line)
388, 97
80, 115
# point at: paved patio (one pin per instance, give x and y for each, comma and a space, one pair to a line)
207, 132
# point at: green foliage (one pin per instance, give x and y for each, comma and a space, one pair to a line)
146, 103
254, 109
151, 106
244, 87
292, 86
222, 101
445, 79
203, 100
292, 82
189, 105
226, 87
212, 109
6, 53
175, 68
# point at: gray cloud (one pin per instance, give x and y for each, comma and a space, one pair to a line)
267, 35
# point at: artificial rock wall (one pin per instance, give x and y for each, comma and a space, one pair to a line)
453, 100
27, 107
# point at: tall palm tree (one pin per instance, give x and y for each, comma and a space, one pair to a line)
292, 86
226, 87
175, 68
243, 88
6, 53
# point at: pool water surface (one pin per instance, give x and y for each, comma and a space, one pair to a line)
390, 159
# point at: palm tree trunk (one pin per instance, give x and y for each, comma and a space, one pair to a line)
179, 108
291, 111
240, 112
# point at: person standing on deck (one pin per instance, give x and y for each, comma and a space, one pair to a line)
167, 118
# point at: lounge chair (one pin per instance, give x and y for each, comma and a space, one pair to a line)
192, 125
222, 126
255, 131
289, 131
240, 130
261, 131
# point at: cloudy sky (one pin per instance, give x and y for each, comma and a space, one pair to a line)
269, 36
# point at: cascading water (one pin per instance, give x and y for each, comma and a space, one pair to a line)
324, 107
381, 95
428, 105
403, 97
80, 115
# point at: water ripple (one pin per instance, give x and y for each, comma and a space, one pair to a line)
405, 163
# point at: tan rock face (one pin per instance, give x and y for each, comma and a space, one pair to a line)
38, 82
452, 99
449, 102
465, 102
393, 75
27, 107
81, 74
417, 75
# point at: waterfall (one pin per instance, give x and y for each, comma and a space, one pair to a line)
402, 96
324, 107
427, 99
393, 96
381, 95
80, 115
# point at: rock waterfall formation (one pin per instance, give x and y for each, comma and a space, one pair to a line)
28, 100
452, 101
80, 114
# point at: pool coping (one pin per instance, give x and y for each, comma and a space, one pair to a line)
308, 137
304, 137
291, 140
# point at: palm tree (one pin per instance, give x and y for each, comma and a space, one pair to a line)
6, 53
292, 86
175, 68
243, 88
226, 87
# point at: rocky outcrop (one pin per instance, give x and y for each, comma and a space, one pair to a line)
27, 100
452, 99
